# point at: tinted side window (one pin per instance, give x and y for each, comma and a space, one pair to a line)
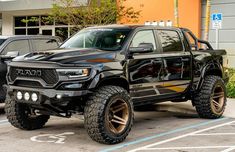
170, 41
2, 41
142, 37
44, 44
19, 45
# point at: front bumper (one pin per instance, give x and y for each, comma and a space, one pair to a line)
45, 95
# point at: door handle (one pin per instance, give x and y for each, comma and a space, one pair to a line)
185, 59
156, 61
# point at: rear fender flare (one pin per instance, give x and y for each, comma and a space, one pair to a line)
213, 68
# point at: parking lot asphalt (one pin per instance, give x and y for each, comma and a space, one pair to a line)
167, 127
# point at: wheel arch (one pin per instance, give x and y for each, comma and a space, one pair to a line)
116, 79
210, 69
216, 72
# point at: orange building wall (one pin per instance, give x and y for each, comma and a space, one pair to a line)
156, 10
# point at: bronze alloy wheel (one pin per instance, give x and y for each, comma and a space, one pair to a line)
109, 115
218, 99
118, 116
210, 101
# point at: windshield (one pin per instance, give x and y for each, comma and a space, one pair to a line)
103, 39
2, 41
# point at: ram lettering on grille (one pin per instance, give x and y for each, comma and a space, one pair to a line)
33, 73
48, 75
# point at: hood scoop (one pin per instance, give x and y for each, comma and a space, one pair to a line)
38, 55
67, 55
43, 53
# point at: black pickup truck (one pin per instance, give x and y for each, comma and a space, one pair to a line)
104, 72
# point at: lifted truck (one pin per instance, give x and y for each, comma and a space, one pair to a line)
103, 72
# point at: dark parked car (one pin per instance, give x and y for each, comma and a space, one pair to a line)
13, 46
103, 72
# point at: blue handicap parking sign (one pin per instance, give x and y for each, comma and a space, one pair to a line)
217, 17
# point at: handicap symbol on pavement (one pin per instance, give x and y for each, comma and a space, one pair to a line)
51, 138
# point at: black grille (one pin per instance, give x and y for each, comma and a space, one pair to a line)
31, 84
48, 75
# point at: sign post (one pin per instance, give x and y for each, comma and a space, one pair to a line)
217, 24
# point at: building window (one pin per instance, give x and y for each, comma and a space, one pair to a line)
20, 27
35, 21
33, 31
20, 31
40, 25
18, 21
44, 20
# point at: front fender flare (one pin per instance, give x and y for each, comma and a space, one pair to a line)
112, 74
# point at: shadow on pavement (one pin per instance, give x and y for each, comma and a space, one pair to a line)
179, 110
2, 111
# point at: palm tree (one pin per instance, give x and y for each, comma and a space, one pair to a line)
176, 12
207, 22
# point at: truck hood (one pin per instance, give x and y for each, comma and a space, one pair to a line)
70, 56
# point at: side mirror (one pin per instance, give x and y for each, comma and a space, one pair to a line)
142, 48
9, 55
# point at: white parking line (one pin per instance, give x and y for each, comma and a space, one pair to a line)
229, 149
180, 137
199, 147
215, 134
2, 121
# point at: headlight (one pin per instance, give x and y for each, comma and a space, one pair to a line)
74, 73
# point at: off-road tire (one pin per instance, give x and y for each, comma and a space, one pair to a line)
2, 93
3, 71
98, 106
17, 116
203, 99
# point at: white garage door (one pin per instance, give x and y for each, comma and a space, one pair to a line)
227, 33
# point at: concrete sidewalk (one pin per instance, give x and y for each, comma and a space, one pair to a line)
186, 108
230, 108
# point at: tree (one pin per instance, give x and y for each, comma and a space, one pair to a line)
97, 12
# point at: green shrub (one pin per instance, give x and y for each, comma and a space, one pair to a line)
231, 84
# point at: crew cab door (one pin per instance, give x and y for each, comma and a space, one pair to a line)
144, 69
176, 62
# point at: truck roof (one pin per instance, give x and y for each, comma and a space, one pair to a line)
25, 36
118, 26
21, 37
